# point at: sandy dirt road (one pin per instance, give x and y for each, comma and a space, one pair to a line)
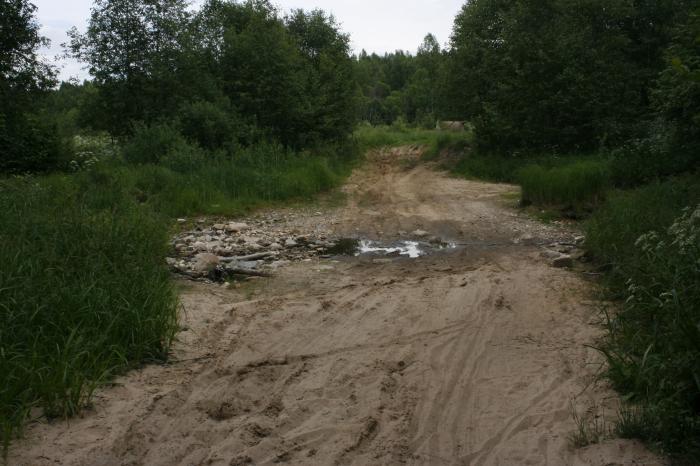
468, 357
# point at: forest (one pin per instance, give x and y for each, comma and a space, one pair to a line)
591, 106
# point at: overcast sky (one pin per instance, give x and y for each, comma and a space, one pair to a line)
374, 25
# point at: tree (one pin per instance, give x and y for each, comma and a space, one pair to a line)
559, 75
328, 75
26, 143
131, 48
677, 97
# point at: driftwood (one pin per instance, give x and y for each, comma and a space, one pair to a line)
248, 272
251, 257
217, 274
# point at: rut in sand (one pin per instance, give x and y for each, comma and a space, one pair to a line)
472, 355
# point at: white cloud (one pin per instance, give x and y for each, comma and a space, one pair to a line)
374, 25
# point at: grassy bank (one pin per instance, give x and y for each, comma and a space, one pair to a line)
85, 291
85, 294
650, 239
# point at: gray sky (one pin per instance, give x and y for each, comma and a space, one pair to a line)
374, 25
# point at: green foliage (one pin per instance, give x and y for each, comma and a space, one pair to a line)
132, 48
189, 182
210, 126
401, 85
236, 72
151, 144
85, 293
490, 167
27, 143
578, 184
652, 345
373, 137
678, 94
556, 74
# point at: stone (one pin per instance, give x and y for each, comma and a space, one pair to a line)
234, 227
549, 254
579, 239
219, 226
181, 220
420, 233
205, 262
290, 243
563, 262
200, 246
275, 247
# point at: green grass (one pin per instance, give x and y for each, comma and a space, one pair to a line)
219, 184
85, 294
373, 137
496, 168
582, 182
653, 343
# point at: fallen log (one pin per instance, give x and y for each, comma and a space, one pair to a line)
250, 257
248, 272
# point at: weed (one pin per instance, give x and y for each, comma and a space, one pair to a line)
591, 427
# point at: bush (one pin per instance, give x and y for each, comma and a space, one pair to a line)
581, 182
85, 292
642, 161
28, 144
208, 125
653, 342
150, 144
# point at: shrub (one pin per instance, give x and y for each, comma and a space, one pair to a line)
208, 125
581, 182
653, 342
642, 161
29, 144
85, 293
150, 144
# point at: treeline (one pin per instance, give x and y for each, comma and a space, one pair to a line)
554, 77
400, 86
226, 76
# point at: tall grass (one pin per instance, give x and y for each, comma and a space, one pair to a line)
372, 137
576, 184
85, 294
176, 177
651, 240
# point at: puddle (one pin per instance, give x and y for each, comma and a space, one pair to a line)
411, 249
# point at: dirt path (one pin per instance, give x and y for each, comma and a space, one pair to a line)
472, 356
